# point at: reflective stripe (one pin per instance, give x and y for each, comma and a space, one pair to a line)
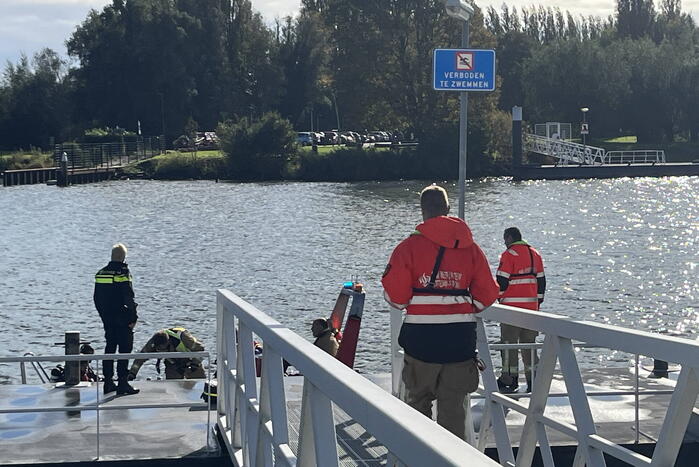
503, 274
478, 304
523, 281
177, 334
540, 295
122, 278
440, 300
519, 299
539, 274
104, 280
440, 319
512, 252
397, 306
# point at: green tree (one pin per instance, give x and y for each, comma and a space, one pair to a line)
258, 149
303, 55
635, 18
34, 101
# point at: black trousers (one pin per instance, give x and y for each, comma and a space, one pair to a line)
121, 337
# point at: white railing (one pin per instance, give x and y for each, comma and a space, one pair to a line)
254, 424
559, 334
635, 157
565, 151
99, 405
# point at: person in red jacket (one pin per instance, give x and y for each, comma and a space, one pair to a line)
441, 277
522, 284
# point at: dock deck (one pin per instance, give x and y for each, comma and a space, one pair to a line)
128, 434
124, 433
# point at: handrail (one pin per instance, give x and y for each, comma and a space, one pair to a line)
254, 426
108, 356
43, 376
635, 157
668, 348
560, 332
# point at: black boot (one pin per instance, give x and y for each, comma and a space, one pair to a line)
125, 388
109, 386
507, 388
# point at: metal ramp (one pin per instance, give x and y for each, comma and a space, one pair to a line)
569, 153
565, 152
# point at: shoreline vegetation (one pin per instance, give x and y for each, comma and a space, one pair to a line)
332, 163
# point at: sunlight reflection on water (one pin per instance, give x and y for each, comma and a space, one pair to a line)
619, 251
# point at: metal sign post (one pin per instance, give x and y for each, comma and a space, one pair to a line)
463, 70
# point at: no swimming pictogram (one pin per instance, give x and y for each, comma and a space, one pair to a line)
464, 61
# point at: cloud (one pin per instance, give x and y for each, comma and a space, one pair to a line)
30, 25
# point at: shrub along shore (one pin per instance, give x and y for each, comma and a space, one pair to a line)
336, 164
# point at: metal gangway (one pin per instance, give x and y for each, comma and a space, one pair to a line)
255, 424
565, 152
569, 153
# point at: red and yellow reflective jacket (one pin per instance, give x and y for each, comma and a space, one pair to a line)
440, 296
521, 277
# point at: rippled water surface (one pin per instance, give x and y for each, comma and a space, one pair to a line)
618, 251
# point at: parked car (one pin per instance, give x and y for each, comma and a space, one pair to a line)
304, 138
346, 137
330, 137
378, 136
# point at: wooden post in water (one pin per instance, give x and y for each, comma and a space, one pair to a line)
72, 369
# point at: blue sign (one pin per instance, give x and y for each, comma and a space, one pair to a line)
464, 70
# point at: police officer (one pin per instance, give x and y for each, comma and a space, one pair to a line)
441, 277
522, 282
114, 300
176, 339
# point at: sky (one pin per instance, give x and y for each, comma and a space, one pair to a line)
30, 25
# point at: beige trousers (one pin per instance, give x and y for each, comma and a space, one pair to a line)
447, 383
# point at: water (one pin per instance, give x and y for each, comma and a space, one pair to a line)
620, 251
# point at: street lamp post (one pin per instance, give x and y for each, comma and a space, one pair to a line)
583, 131
461, 10
584, 111
162, 114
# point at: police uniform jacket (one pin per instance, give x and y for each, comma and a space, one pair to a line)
114, 296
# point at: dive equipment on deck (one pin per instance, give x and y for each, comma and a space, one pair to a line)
350, 336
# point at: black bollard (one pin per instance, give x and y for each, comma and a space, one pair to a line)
660, 369
72, 369
62, 173
516, 137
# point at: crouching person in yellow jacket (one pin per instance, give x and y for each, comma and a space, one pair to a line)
173, 340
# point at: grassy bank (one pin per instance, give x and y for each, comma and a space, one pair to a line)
339, 163
330, 163
23, 160
174, 165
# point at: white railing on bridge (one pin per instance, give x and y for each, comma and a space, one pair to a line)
565, 151
254, 424
559, 333
635, 157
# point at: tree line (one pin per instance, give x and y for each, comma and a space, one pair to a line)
356, 64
